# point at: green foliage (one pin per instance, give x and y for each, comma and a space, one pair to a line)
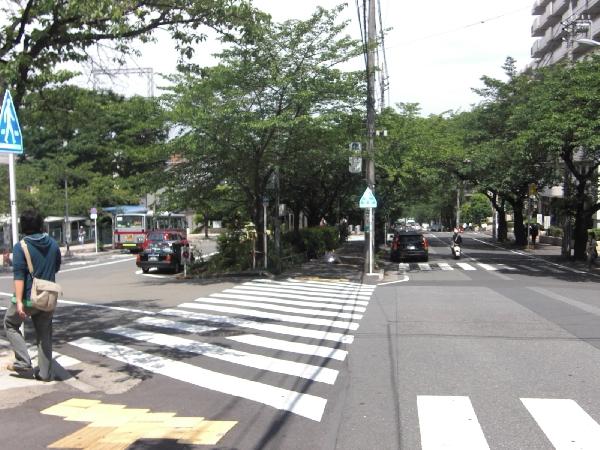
314, 241
554, 231
476, 209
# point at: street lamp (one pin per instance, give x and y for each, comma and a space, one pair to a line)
67, 221
585, 41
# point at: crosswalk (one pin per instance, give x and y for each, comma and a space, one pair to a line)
487, 267
451, 423
298, 328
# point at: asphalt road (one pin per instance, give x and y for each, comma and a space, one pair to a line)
496, 350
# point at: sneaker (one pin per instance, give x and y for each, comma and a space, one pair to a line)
26, 373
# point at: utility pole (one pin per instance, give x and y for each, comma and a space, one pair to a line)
370, 163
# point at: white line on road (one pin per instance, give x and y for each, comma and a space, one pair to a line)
274, 316
449, 422
266, 293
317, 292
301, 370
261, 326
565, 423
294, 347
273, 306
465, 266
91, 266
345, 292
424, 266
239, 295
305, 405
569, 301
487, 266
445, 266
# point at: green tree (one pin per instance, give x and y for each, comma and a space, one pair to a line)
476, 210
37, 36
266, 106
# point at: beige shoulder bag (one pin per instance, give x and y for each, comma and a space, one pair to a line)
44, 293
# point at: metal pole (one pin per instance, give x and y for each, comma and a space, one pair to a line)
265, 233
13, 199
458, 207
370, 169
96, 233
371, 237
67, 221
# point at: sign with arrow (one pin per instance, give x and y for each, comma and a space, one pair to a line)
368, 200
11, 139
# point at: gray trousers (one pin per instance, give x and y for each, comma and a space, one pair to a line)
42, 323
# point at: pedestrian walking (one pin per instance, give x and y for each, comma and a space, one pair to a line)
45, 258
81, 236
533, 231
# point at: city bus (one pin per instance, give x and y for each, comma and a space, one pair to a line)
131, 228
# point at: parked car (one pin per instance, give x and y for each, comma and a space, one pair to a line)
409, 245
162, 250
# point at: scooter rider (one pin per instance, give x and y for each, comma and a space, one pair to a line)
456, 237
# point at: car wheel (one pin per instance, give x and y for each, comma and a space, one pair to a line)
145, 270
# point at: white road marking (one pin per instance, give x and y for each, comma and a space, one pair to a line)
465, 266
261, 326
151, 275
174, 325
565, 423
424, 266
445, 266
334, 285
287, 346
273, 306
300, 297
301, 370
487, 266
116, 308
239, 295
317, 292
449, 423
305, 405
91, 266
505, 267
309, 287
274, 316
569, 301
403, 267
528, 268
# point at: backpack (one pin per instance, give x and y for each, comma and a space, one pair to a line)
44, 293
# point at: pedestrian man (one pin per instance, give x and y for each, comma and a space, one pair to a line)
533, 230
46, 259
590, 249
81, 236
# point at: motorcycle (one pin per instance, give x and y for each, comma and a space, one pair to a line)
455, 250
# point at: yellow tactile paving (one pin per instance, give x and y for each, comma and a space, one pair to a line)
116, 427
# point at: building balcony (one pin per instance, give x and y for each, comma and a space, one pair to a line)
536, 28
593, 6
559, 7
549, 18
539, 7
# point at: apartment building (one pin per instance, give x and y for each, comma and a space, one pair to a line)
566, 30
562, 28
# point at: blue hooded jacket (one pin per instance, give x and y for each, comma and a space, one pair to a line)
45, 258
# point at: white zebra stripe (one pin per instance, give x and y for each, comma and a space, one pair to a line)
505, 267
281, 317
307, 371
273, 306
318, 292
449, 422
305, 405
465, 266
300, 297
424, 266
173, 325
237, 295
261, 326
528, 268
565, 423
293, 347
445, 266
335, 285
403, 267
487, 267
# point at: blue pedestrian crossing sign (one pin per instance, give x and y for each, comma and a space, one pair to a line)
11, 139
368, 200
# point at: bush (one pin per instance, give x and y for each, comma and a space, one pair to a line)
596, 233
555, 231
314, 241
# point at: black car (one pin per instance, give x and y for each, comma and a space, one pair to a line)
408, 245
162, 251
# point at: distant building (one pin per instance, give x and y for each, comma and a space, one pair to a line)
567, 30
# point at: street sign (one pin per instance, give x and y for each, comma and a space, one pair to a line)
368, 200
355, 165
11, 139
93, 213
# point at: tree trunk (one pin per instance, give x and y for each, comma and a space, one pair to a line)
520, 231
502, 225
206, 225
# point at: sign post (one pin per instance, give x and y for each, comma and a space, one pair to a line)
11, 142
94, 215
369, 201
265, 205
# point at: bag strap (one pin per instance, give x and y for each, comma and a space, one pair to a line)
27, 256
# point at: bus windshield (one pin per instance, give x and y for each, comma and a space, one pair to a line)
129, 221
